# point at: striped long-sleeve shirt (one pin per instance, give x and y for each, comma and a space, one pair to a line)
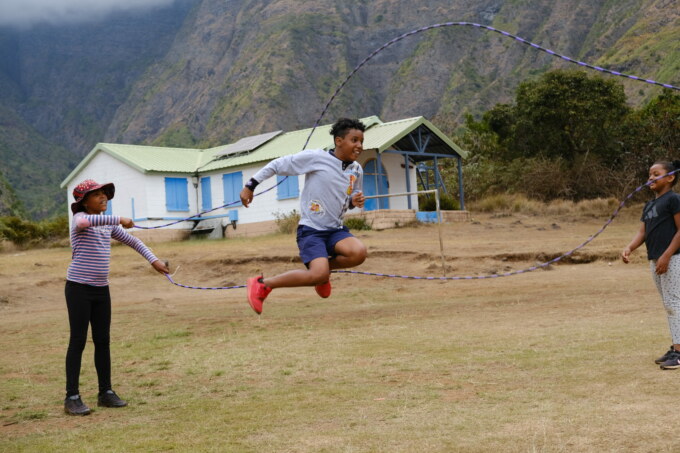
91, 243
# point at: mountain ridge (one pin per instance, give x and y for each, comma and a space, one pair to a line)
207, 72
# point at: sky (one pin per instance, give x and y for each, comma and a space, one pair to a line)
26, 13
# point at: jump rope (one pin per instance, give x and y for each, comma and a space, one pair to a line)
473, 277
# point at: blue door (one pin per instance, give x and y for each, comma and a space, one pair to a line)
206, 194
373, 181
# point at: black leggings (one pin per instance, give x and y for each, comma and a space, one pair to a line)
88, 305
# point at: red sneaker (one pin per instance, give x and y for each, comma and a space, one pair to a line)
324, 289
257, 293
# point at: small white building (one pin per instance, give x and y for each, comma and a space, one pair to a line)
158, 185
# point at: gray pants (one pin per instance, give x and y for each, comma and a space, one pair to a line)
668, 285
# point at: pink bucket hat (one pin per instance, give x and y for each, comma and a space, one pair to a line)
87, 186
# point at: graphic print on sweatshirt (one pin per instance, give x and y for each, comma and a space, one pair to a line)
352, 180
316, 207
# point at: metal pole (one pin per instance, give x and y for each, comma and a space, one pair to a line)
461, 195
439, 215
439, 221
408, 180
401, 194
378, 178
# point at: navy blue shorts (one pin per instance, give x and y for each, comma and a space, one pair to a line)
319, 243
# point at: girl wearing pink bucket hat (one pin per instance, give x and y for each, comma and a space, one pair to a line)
87, 288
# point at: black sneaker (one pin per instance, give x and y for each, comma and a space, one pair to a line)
672, 363
668, 355
110, 399
73, 405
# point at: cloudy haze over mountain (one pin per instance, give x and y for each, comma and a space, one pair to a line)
25, 13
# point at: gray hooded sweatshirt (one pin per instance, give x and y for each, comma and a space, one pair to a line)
329, 185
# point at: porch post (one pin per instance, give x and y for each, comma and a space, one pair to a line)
378, 179
439, 181
461, 195
408, 179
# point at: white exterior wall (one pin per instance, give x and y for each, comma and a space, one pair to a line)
148, 191
263, 208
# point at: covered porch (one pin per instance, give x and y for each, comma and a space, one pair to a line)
419, 147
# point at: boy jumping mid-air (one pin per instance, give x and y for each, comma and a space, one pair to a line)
333, 182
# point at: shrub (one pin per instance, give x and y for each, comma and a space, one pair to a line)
287, 222
446, 203
18, 231
514, 203
357, 223
508, 203
25, 233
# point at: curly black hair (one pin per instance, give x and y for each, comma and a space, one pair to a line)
343, 125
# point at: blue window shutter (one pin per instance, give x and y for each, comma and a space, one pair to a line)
206, 194
176, 194
109, 208
288, 188
233, 183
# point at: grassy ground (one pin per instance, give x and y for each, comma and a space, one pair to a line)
556, 360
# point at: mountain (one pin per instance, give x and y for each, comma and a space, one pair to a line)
206, 72
60, 87
9, 203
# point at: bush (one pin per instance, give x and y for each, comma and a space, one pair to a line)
18, 231
514, 203
287, 222
357, 223
25, 233
446, 203
508, 203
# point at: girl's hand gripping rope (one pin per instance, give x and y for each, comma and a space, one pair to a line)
160, 267
126, 222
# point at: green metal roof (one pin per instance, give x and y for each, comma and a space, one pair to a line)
385, 135
283, 145
144, 158
147, 159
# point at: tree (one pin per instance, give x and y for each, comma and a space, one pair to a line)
568, 114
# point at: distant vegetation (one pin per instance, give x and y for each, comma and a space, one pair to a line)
26, 233
567, 136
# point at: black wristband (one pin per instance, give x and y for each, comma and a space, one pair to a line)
252, 184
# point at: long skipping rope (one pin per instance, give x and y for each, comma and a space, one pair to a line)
478, 277
366, 60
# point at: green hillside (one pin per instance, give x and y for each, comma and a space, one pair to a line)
33, 166
205, 72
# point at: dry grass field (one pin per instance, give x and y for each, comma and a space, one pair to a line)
557, 360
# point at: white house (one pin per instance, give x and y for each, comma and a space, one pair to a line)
158, 185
